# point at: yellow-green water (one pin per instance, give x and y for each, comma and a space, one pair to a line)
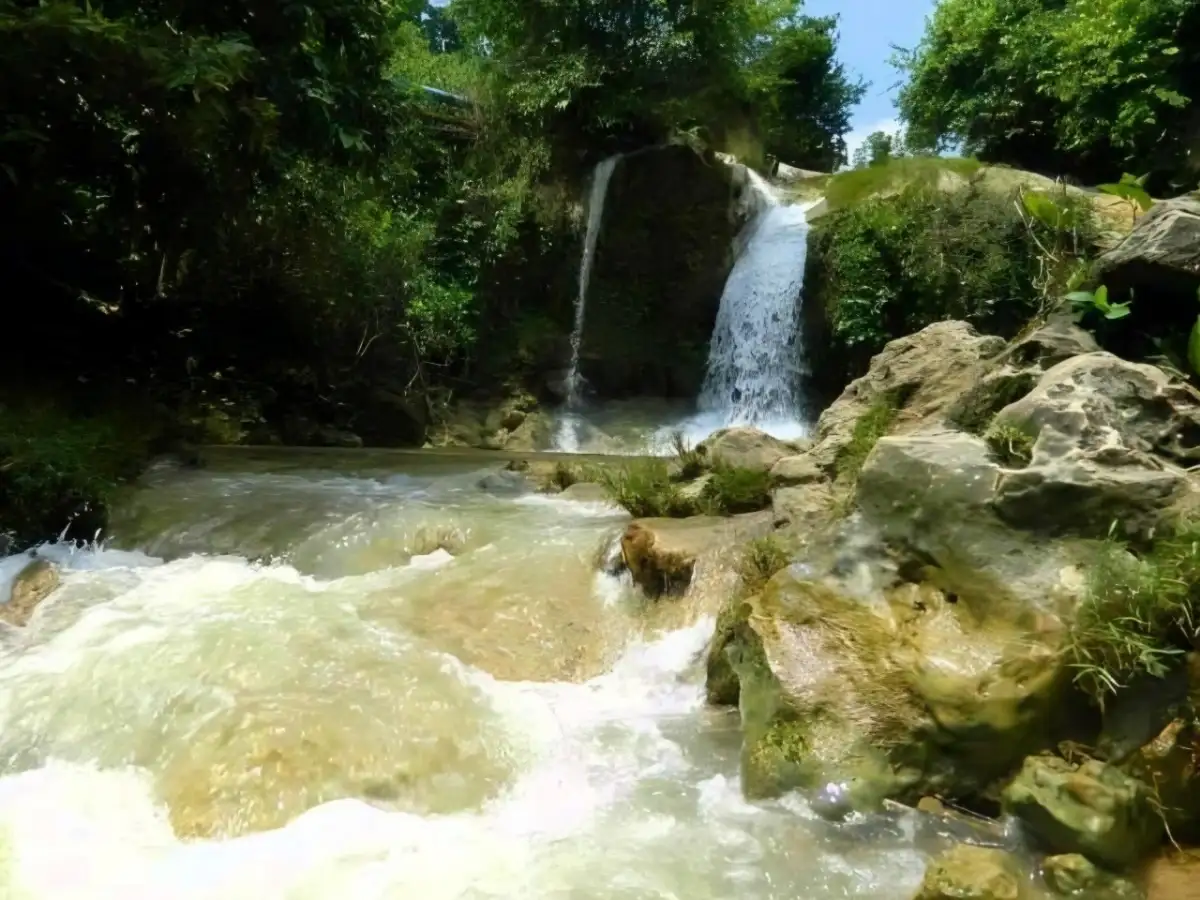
366, 676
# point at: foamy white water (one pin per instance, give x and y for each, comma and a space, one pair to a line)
346, 723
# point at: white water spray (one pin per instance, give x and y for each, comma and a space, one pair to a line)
568, 433
755, 360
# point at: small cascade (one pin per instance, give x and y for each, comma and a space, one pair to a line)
755, 363
568, 432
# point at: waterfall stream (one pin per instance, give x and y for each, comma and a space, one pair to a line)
568, 431
755, 362
310, 678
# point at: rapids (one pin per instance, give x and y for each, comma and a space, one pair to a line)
342, 676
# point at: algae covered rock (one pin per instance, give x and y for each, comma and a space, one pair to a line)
33, 584
746, 448
972, 873
1073, 875
1093, 809
883, 697
661, 554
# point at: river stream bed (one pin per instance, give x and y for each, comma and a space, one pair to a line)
352, 676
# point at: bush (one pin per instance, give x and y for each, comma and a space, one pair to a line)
57, 471
760, 560
1139, 615
731, 490
870, 427
888, 267
645, 489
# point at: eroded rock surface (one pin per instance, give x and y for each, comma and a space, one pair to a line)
35, 583
973, 873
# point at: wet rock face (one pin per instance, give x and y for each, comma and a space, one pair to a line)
973, 873
885, 696
1073, 875
35, 583
1092, 809
746, 448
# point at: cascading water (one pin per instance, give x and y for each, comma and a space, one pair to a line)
568, 431
755, 362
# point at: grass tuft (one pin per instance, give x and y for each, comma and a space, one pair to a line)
1011, 445
760, 560
870, 427
1138, 615
731, 490
645, 489
691, 460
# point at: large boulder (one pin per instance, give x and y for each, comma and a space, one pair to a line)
921, 375
1111, 440
931, 495
972, 873
886, 695
1093, 809
1161, 253
32, 585
746, 448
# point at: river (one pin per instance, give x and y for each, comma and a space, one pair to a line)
379, 675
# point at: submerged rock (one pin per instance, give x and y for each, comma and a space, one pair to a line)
1073, 875
1093, 809
746, 448
35, 583
585, 492
973, 873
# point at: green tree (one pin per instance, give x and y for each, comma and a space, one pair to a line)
877, 149
1091, 87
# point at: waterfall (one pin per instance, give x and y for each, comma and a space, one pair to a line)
568, 432
754, 360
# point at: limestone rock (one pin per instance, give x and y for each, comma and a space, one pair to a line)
1160, 254
933, 493
1052, 343
1171, 763
923, 374
805, 507
890, 697
1111, 437
33, 584
661, 554
585, 492
972, 873
1175, 875
793, 470
1073, 875
746, 448
1093, 809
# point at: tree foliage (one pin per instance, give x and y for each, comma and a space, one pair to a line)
1090, 87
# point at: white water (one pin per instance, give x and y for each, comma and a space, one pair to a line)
568, 431
755, 364
342, 723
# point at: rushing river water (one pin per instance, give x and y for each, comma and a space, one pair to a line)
352, 676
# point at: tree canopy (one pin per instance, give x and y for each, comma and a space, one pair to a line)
1087, 87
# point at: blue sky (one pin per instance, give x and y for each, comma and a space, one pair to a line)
868, 30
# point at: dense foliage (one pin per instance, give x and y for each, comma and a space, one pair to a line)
887, 267
1089, 88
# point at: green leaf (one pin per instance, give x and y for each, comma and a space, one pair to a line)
1080, 297
1116, 311
1194, 347
1101, 297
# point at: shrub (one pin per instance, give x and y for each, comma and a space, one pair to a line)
760, 560
1139, 615
731, 490
888, 267
870, 427
564, 475
1012, 446
645, 489
56, 469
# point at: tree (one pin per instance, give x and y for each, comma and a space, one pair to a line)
1090, 87
877, 149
